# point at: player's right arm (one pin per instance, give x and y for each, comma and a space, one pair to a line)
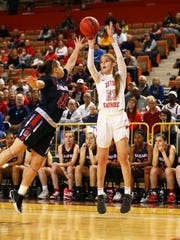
90, 61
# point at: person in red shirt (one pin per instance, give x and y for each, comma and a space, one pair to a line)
152, 116
133, 114
50, 54
29, 48
3, 104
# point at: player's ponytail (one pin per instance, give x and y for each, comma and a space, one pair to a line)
47, 67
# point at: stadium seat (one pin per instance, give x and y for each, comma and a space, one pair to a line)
163, 48
171, 40
144, 63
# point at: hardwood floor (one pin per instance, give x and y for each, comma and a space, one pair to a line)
53, 220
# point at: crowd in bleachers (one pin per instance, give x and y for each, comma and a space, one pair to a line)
153, 152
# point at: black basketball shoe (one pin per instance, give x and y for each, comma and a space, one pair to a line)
126, 203
17, 200
101, 204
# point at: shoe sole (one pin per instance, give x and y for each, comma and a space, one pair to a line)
14, 202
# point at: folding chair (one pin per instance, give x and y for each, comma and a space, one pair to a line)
171, 40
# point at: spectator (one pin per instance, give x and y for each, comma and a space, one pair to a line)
124, 25
3, 104
129, 94
50, 54
156, 32
131, 64
157, 89
176, 88
17, 114
152, 116
119, 35
24, 60
162, 168
104, 41
149, 48
141, 100
35, 100
172, 105
13, 61
61, 50
80, 73
38, 59
71, 115
45, 34
98, 52
129, 44
68, 156
109, 19
29, 48
85, 107
133, 114
79, 91
4, 31
67, 24
143, 86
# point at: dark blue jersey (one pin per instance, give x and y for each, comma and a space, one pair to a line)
67, 154
54, 96
161, 162
141, 155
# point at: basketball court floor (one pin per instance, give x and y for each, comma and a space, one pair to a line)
51, 220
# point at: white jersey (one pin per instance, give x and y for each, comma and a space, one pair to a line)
105, 84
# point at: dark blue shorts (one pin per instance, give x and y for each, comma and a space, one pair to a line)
36, 133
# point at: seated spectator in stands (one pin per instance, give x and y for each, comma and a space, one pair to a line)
14, 38
157, 89
172, 25
35, 99
140, 157
61, 50
152, 116
129, 94
37, 59
3, 104
12, 99
68, 156
87, 167
3, 58
45, 34
141, 100
162, 168
119, 35
6, 169
70, 115
104, 41
80, 73
50, 54
29, 48
131, 64
165, 118
133, 114
13, 61
24, 60
129, 44
113, 171
109, 19
98, 52
156, 32
172, 105
149, 48
17, 114
85, 107
4, 74
21, 91
176, 88
143, 86
66, 57
79, 91
90, 118
124, 26
4, 32
67, 24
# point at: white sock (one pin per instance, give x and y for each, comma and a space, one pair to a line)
44, 187
101, 191
127, 190
22, 190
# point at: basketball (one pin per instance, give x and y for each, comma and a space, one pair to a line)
89, 27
